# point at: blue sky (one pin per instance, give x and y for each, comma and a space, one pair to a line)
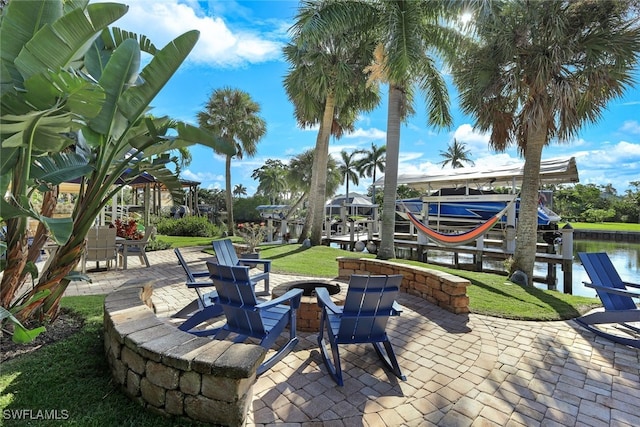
240, 47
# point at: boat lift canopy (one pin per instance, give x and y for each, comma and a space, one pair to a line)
552, 171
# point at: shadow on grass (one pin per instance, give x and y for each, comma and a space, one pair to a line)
539, 298
294, 249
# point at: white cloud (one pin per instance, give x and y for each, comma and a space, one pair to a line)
631, 126
371, 133
201, 176
472, 138
219, 44
618, 164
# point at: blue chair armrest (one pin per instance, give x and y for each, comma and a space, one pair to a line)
201, 274
632, 285
324, 301
292, 295
611, 290
266, 263
199, 284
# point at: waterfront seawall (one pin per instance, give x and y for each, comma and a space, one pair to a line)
616, 236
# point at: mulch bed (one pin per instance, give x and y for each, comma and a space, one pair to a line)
66, 324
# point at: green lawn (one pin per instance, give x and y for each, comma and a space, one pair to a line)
605, 226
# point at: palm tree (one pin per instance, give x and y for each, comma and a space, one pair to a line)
406, 32
348, 170
299, 176
456, 155
327, 84
272, 177
234, 116
373, 161
538, 71
182, 159
239, 190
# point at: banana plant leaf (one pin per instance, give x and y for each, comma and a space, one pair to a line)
58, 168
187, 132
81, 95
57, 45
120, 73
43, 130
102, 49
60, 228
21, 21
21, 334
156, 74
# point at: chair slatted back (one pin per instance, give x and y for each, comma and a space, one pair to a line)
367, 308
602, 272
185, 267
225, 252
149, 232
101, 243
238, 299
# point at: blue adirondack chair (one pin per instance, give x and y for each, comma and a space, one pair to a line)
617, 300
226, 255
249, 317
369, 303
204, 307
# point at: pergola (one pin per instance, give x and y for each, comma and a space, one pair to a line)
148, 191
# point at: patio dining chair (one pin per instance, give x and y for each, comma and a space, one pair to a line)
369, 303
135, 248
100, 246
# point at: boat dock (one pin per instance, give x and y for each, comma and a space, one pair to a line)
408, 246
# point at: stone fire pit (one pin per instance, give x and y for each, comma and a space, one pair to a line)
308, 315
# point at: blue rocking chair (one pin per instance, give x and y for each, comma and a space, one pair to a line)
617, 300
226, 255
369, 303
249, 317
204, 307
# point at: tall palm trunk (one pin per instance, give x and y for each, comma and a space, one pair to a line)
387, 234
527, 234
319, 174
228, 198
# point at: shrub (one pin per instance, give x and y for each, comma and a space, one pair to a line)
193, 226
157, 245
128, 228
253, 234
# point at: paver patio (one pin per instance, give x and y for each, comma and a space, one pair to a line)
461, 370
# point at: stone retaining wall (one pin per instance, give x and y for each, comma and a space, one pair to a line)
172, 372
442, 289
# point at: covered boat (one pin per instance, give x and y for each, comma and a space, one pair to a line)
461, 207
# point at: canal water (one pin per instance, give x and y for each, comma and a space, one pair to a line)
624, 256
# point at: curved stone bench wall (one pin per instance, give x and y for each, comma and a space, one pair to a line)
172, 372
442, 289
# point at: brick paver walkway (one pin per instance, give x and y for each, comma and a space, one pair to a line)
461, 370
